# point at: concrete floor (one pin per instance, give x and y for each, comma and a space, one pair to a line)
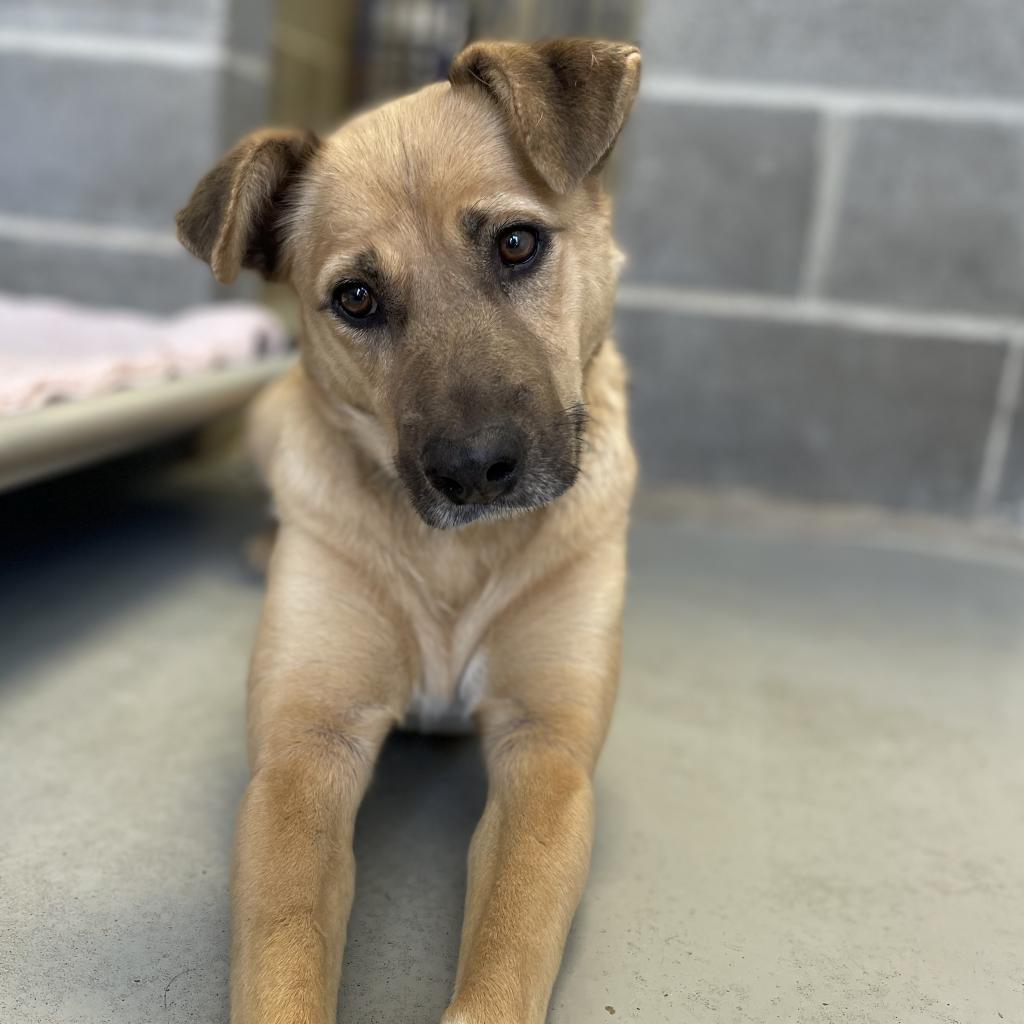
811, 807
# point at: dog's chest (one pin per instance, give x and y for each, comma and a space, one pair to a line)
453, 671
449, 624
437, 708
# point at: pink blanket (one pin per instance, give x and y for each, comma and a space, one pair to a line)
54, 351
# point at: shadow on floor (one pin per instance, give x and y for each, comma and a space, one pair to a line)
412, 837
81, 548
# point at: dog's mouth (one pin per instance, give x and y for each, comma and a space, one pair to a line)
496, 474
443, 513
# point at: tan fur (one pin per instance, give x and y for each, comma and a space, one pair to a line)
370, 612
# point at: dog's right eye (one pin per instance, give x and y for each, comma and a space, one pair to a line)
354, 301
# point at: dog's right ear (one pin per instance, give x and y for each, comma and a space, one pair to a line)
233, 219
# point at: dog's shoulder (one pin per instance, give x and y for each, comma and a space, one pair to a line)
302, 461
265, 419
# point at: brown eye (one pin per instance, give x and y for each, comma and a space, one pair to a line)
517, 246
354, 300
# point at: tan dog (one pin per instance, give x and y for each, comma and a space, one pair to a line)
453, 259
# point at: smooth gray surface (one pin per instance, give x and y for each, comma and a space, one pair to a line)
809, 807
244, 107
957, 47
931, 217
105, 143
156, 282
716, 197
250, 25
821, 413
185, 20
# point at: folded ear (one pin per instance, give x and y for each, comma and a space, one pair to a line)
566, 100
233, 219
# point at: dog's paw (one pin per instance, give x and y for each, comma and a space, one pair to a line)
454, 1016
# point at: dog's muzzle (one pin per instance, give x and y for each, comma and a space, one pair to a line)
457, 473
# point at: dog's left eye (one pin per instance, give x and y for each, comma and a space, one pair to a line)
518, 246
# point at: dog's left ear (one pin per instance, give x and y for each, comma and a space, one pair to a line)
566, 100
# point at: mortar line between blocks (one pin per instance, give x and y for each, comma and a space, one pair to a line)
833, 152
997, 441
113, 48
83, 235
729, 305
673, 88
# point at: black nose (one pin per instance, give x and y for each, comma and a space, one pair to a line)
477, 469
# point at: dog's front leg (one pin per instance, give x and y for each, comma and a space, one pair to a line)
554, 672
325, 688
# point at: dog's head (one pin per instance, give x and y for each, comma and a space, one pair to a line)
452, 255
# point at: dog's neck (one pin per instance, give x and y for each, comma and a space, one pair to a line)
357, 422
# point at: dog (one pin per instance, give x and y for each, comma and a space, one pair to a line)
452, 474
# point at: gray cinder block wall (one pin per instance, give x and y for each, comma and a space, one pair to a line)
111, 111
823, 204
